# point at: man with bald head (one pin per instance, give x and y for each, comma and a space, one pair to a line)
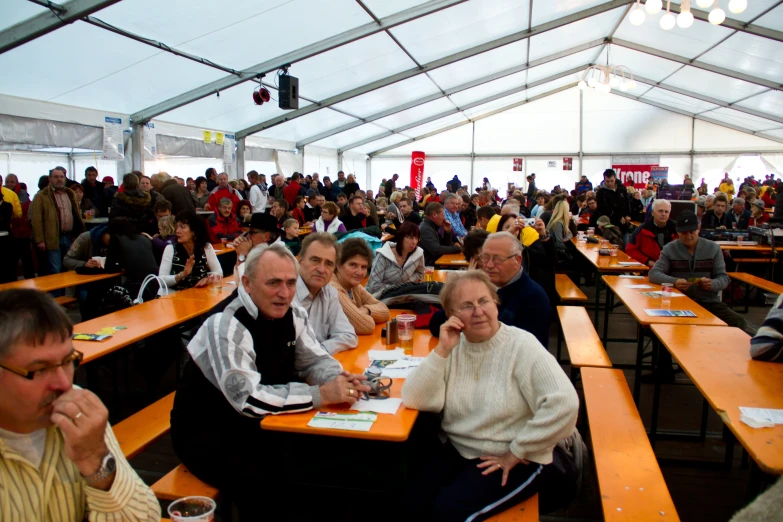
255, 355
223, 190
176, 194
648, 240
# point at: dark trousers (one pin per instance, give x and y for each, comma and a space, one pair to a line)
7, 259
23, 252
247, 465
450, 488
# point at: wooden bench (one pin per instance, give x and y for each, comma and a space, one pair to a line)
629, 478
526, 511
145, 427
567, 291
582, 342
758, 282
64, 300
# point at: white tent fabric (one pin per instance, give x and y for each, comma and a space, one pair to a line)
493, 76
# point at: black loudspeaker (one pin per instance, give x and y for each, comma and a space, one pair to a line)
289, 92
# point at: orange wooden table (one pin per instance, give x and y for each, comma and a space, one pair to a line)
386, 236
203, 293
452, 260
758, 282
221, 249
605, 265
637, 303
746, 248
59, 281
140, 321
391, 428
718, 362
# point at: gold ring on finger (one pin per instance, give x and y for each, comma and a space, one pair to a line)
350, 392
78, 415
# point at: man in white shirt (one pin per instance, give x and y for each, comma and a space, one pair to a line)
318, 259
58, 453
257, 194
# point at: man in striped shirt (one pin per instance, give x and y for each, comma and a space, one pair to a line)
59, 460
255, 355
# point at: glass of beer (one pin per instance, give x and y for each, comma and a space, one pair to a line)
429, 273
612, 255
192, 509
215, 282
405, 324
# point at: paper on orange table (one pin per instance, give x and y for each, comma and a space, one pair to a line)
388, 406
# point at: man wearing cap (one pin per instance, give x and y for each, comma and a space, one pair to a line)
261, 230
696, 268
701, 206
648, 240
740, 214
759, 214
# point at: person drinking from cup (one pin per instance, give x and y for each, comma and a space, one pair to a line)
255, 355
55, 434
508, 414
362, 309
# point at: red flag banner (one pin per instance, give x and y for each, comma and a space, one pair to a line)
639, 173
417, 172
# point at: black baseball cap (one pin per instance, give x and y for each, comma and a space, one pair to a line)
687, 221
262, 222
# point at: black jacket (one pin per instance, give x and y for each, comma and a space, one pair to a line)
350, 188
352, 222
710, 220
179, 196
433, 244
95, 194
614, 204
133, 204
413, 217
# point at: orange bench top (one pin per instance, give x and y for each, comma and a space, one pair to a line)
144, 427
637, 303
567, 290
393, 428
758, 282
717, 360
179, 483
629, 478
452, 260
49, 283
582, 341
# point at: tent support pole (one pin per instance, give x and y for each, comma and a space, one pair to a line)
137, 148
693, 143
581, 128
240, 158
472, 155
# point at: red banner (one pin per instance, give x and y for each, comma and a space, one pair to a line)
639, 173
417, 172
568, 163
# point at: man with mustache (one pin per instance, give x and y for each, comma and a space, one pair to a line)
317, 261
59, 458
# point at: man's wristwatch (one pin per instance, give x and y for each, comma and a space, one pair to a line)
107, 469
241, 258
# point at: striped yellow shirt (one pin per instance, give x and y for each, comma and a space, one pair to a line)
57, 492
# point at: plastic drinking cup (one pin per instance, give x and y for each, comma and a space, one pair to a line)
215, 281
405, 326
192, 509
429, 273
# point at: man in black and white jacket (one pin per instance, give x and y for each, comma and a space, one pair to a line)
255, 355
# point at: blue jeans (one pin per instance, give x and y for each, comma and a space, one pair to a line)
53, 260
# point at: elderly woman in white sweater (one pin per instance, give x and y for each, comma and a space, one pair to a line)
508, 413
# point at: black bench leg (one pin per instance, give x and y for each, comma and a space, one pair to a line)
705, 412
559, 338
637, 380
747, 297
656, 396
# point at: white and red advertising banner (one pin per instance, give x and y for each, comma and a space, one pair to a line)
638, 167
417, 172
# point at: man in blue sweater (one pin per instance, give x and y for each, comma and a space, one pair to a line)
523, 302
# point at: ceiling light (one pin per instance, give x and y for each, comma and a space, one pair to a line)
737, 6
582, 85
623, 86
592, 82
603, 88
685, 19
704, 4
668, 21
614, 82
653, 6
637, 15
717, 16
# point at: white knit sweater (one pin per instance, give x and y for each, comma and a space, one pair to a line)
504, 394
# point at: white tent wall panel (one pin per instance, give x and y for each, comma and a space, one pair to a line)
384, 168
548, 177
28, 167
105, 168
454, 141
711, 137
183, 167
550, 124
440, 170
356, 164
616, 124
320, 160
262, 167
498, 171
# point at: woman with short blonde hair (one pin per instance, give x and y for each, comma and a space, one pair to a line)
507, 409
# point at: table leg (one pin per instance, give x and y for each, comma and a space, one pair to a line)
747, 297
705, 411
608, 304
559, 337
597, 296
656, 396
637, 380
728, 457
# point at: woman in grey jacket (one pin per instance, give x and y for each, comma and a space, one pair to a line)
399, 261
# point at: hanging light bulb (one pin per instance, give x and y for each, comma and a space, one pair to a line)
704, 4
637, 15
614, 82
737, 6
631, 84
623, 86
603, 88
668, 21
592, 82
582, 85
685, 18
717, 16
653, 6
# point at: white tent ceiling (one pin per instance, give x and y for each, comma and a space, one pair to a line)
376, 74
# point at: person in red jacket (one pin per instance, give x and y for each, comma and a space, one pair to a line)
223, 190
298, 210
649, 239
292, 190
768, 197
223, 223
758, 215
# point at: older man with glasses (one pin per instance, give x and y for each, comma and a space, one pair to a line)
523, 302
59, 459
